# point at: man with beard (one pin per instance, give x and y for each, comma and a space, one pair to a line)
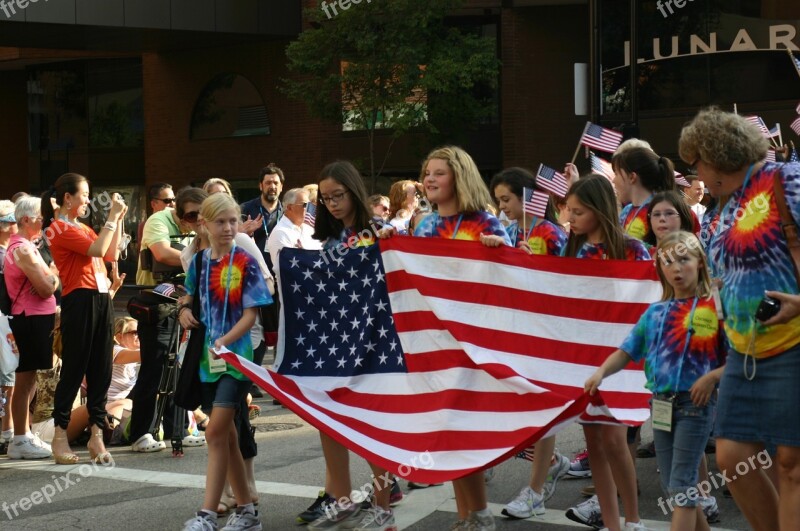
266, 208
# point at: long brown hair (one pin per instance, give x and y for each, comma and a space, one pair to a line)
596, 194
343, 172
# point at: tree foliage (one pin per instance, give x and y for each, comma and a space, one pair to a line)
393, 64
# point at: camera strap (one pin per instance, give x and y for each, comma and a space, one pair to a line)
788, 225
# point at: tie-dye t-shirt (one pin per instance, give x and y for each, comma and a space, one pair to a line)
461, 226
247, 289
352, 239
634, 219
660, 339
634, 250
544, 238
748, 251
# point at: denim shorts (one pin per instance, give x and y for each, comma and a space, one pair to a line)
226, 392
679, 451
765, 409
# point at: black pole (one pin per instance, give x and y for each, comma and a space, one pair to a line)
595, 72
634, 79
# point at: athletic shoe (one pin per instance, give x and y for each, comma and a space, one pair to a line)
587, 513
40, 443
373, 518
335, 515
646, 451
316, 509
579, 467
27, 449
243, 522
479, 522
710, 509
413, 485
194, 440
638, 526
397, 493
147, 444
527, 503
5, 440
201, 522
556, 471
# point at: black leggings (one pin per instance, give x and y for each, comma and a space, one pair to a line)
87, 327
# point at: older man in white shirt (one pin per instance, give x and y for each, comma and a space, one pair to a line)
290, 230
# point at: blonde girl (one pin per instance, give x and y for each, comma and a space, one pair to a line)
681, 345
231, 288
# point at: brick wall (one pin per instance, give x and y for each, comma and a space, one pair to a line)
539, 47
13, 133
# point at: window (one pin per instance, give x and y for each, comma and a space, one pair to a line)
229, 106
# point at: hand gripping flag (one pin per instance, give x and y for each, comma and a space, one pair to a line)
452, 350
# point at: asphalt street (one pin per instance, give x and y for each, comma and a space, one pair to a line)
157, 491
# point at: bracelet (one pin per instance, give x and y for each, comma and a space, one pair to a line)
110, 225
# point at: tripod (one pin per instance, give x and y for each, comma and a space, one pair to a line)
166, 391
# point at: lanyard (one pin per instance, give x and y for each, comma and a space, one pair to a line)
719, 239
458, 224
639, 209
267, 215
685, 344
530, 231
227, 289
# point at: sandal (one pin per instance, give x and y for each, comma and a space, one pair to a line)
101, 458
69, 458
254, 411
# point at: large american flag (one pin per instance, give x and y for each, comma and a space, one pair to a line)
598, 137
448, 347
549, 179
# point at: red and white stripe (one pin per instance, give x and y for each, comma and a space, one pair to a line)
497, 345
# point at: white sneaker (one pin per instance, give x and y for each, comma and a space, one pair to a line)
638, 526
556, 471
147, 444
527, 503
193, 440
40, 443
27, 449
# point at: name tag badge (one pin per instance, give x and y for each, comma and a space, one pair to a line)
216, 365
662, 415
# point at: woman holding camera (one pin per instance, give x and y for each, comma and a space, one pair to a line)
759, 393
87, 317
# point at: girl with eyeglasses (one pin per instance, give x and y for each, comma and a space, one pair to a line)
666, 213
344, 220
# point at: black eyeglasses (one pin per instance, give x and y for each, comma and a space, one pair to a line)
333, 199
167, 201
191, 217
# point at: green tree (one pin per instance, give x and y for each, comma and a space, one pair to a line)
396, 65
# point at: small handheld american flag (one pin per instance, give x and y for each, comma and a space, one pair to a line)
311, 214
598, 137
535, 202
549, 179
796, 126
601, 166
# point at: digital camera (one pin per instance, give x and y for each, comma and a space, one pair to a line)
767, 308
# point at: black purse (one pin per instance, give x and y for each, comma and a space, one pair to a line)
188, 390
